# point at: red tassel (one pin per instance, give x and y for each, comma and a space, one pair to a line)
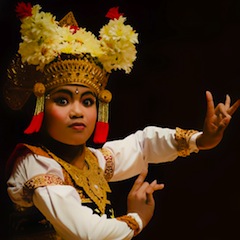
101, 132
35, 124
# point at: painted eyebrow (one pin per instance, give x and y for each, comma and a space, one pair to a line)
88, 93
71, 93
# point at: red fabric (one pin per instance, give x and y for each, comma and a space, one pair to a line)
23, 10
113, 13
101, 132
35, 124
19, 150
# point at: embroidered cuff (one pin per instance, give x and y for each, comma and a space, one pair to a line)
186, 141
133, 221
43, 180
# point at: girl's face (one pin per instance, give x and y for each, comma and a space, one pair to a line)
70, 114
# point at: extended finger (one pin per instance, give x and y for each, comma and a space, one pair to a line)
234, 107
154, 186
158, 186
210, 104
227, 102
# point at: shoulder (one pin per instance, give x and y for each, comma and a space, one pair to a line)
18, 154
23, 154
105, 160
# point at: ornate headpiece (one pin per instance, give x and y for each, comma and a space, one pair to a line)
54, 53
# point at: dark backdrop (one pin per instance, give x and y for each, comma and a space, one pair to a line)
185, 48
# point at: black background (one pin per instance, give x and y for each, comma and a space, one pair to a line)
185, 48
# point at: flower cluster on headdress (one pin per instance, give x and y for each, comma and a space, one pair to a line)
43, 39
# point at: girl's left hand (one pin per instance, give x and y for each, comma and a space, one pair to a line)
216, 121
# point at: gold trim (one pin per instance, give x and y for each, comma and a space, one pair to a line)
131, 222
110, 164
81, 70
68, 20
182, 137
43, 180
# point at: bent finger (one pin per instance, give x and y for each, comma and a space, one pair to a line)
222, 111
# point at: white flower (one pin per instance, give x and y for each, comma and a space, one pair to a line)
117, 41
43, 39
40, 38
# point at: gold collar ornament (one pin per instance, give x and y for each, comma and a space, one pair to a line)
54, 53
91, 178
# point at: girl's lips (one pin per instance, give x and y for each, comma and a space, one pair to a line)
78, 126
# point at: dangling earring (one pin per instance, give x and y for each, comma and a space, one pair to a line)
36, 122
102, 126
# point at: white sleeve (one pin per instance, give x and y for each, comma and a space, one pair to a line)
61, 204
31, 166
151, 145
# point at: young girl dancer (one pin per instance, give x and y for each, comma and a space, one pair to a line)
58, 184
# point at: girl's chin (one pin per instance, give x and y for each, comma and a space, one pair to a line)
75, 143
71, 140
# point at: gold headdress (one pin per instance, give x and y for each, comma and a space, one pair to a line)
55, 53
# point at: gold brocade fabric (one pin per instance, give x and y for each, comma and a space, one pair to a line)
110, 164
182, 137
91, 179
43, 180
131, 222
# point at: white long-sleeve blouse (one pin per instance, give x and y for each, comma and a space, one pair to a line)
62, 205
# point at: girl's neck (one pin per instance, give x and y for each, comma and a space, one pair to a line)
69, 153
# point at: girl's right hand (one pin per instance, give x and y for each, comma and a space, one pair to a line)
140, 197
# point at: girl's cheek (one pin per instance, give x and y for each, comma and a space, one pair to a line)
55, 114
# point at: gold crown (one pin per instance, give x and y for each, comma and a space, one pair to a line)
77, 70
84, 59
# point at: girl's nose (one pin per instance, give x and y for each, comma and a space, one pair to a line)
76, 110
